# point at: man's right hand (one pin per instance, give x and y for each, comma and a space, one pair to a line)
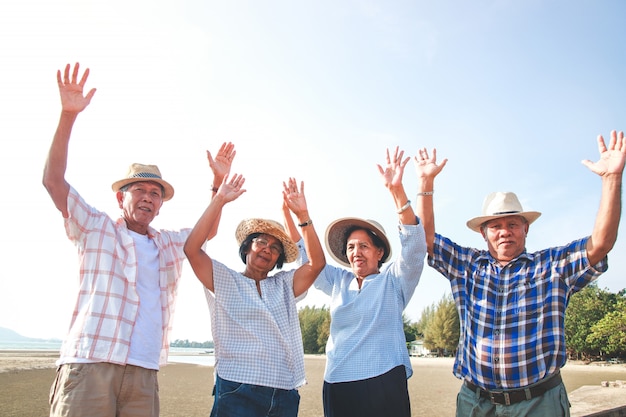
72, 99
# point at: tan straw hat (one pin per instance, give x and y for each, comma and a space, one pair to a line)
139, 172
267, 227
336, 237
501, 204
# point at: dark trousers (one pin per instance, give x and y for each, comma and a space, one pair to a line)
384, 395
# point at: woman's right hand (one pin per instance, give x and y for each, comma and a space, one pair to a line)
231, 189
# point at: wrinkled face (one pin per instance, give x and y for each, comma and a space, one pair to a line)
140, 204
264, 252
362, 254
506, 237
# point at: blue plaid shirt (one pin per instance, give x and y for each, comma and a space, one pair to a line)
512, 317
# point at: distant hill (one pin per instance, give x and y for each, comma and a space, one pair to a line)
8, 335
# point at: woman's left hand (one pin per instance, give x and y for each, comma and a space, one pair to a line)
394, 170
294, 198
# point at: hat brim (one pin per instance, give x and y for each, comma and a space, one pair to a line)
335, 237
267, 227
168, 190
475, 223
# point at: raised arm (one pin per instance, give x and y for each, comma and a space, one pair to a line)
290, 225
305, 275
72, 103
198, 259
220, 165
609, 167
427, 170
392, 177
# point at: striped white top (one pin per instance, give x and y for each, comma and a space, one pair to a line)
107, 305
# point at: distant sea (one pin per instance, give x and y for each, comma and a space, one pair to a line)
195, 356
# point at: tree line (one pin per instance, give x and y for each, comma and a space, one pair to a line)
595, 326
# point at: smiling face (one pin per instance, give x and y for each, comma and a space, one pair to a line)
362, 254
140, 204
263, 255
506, 237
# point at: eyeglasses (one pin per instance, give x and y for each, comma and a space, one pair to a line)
263, 243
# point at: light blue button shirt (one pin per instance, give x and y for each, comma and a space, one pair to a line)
366, 332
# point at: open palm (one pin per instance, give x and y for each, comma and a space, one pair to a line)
612, 159
71, 90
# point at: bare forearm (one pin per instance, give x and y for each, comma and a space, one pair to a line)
307, 273
205, 226
406, 214
425, 211
312, 244
607, 221
56, 162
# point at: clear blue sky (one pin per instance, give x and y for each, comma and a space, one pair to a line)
513, 93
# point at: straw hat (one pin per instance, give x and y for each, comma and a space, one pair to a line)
139, 172
501, 204
267, 227
336, 239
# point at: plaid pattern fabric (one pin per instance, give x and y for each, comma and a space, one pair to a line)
257, 338
107, 303
512, 317
366, 331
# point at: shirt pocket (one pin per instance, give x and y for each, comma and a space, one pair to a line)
529, 299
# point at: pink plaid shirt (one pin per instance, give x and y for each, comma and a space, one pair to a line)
107, 303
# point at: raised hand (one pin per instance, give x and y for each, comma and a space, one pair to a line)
426, 165
612, 159
294, 198
72, 98
223, 160
231, 190
394, 170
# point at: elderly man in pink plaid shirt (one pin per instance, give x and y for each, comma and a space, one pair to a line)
129, 273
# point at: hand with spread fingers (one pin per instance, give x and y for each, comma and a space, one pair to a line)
394, 170
221, 164
612, 158
71, 90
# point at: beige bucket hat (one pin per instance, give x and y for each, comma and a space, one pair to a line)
335, 237
269, 227
501, 204
139, 172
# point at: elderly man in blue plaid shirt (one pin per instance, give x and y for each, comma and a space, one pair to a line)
512, 303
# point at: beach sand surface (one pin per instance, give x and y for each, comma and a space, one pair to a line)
185, 389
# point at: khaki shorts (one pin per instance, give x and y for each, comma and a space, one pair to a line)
104, 389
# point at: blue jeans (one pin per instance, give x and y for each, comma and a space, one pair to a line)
234, 399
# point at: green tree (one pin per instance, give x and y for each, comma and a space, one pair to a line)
443, 329
425, 319
410, 330
609, 334
315, 327
585, 309
323, 333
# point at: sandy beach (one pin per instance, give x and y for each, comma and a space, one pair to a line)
185, 389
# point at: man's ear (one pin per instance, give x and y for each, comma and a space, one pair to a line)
120, 199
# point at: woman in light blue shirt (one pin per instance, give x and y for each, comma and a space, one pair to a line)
368, 363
